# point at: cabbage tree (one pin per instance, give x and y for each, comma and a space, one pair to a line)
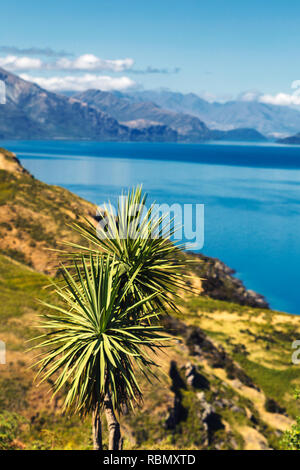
139, 238
95, 343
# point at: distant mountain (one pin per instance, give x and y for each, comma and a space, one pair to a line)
242, 134
31, 112
124, 109
179, 102
155, 132
292, 140
268, 119
128, 109
37, 113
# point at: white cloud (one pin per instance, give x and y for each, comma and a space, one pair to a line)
281, 99
250, 95
13, 63
82, 83
82, 63
91, 62
86, 62
284, 99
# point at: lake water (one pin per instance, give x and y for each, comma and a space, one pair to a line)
251, 195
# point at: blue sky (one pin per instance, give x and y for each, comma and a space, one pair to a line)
216, 47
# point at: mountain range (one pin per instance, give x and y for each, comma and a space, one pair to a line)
132, 113
273, 121
32, 112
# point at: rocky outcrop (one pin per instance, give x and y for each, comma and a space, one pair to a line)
194, 379
273, 407
176, 412
218, 282
202, 347
9, 162
211, 420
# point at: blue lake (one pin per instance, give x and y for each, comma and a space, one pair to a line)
251, 195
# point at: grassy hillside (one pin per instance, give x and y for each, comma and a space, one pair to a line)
226, 382
35, 216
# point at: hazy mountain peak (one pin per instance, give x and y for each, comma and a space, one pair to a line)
268, 119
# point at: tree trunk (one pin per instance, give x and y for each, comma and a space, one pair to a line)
97, 430
115, 442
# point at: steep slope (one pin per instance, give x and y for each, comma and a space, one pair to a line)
31, 112
50, 115
34, 217
227, 381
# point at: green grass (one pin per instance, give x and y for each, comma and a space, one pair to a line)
13, 391
8, 188
9, 429
206, 304
56, 432
17, 255
276, 384
20, 287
